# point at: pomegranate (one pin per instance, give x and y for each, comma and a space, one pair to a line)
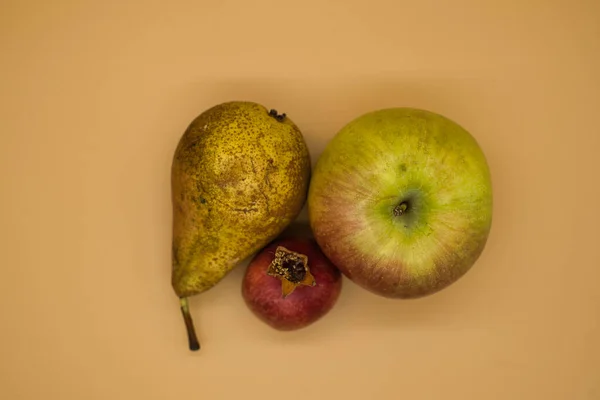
290, 284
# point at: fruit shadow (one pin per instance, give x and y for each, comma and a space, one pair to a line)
320, 108
356, 309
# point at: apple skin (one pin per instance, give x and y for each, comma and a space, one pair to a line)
306, 304
401, 156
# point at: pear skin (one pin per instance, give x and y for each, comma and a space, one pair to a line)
239, 177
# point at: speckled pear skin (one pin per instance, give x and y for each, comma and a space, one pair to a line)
240, 176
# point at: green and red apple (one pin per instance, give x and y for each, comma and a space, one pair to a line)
401, 202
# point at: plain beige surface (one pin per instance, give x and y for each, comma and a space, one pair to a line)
94, 97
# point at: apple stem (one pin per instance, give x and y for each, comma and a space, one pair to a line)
400, 209
189, 324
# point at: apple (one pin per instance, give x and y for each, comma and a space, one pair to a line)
290, 284
401, 202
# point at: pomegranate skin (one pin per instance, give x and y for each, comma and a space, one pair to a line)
306, 304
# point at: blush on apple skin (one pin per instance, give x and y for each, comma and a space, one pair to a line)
401, 201
306, 304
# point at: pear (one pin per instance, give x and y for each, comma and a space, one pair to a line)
239, 178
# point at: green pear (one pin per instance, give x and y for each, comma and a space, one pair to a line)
240, 176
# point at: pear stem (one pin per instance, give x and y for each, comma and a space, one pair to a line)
189, 324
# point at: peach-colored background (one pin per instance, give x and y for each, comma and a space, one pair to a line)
94, 97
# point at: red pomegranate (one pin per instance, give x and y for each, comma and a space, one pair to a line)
290, 284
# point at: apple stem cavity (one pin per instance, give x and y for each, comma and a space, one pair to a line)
189, 325
400, 209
